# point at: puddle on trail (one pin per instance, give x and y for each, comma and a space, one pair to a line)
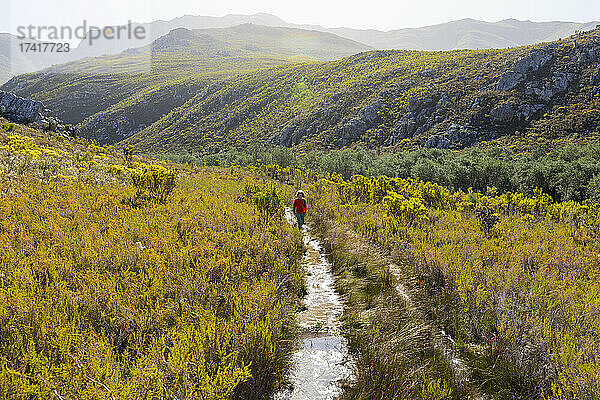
322, 360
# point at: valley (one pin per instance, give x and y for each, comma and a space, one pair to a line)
452, 241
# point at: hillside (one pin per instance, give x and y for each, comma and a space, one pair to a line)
210, 90
401, 99
126, 276
14, 62
462, 34
133, 89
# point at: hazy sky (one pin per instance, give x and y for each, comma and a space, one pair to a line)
378, 14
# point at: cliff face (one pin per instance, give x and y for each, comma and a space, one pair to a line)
18, 109
27, 111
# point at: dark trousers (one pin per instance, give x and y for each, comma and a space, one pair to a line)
300, 218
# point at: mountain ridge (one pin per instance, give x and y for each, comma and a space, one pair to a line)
168, 72
467, 33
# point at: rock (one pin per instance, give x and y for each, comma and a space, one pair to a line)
455, 135
588, 56
364, 120
595, 78
526, 111
503, 113
403, 129
416, 104
423, 113
445, 100
20, 110
291, 135
477, 102
547, 90
524, 67
437, 142
43, 124
370, 113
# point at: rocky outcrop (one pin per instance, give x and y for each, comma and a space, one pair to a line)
503, 113
525, 112
26, 111
422, 115
366, 118
523, 68
456, 135
20, 110
547, 90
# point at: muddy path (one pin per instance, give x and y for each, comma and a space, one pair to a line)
321, 361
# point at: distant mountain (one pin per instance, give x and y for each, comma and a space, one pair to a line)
467, 34
118, 95
463, 34
15, 61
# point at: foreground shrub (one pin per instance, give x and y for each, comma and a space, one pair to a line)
268, 202
153, 183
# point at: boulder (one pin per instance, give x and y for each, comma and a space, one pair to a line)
523, 68
20, 110
503, 113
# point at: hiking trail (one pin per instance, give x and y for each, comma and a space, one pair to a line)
321, 361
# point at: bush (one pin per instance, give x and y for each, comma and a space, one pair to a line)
153, 183
9, 127
410, 210
268, 202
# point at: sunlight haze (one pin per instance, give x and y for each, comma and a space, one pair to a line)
378, 14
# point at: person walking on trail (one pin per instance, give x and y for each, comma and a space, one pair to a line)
300, 208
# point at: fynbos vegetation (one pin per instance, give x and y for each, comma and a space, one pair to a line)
190, 296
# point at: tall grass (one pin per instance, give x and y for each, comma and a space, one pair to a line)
192, 296
513, 279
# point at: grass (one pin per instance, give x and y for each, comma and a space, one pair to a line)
391, 338
512, 279
128, 277
191, 297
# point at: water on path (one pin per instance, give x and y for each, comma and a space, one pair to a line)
322, 359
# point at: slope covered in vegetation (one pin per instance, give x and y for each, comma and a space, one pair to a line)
397, 98
197, 94
126, 92
454, 295
124, 279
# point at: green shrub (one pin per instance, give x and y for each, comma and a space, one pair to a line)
9, 127
268, 202
153, 183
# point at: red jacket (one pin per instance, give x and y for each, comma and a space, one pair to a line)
299, 206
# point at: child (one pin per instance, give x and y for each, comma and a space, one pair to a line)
300, 208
